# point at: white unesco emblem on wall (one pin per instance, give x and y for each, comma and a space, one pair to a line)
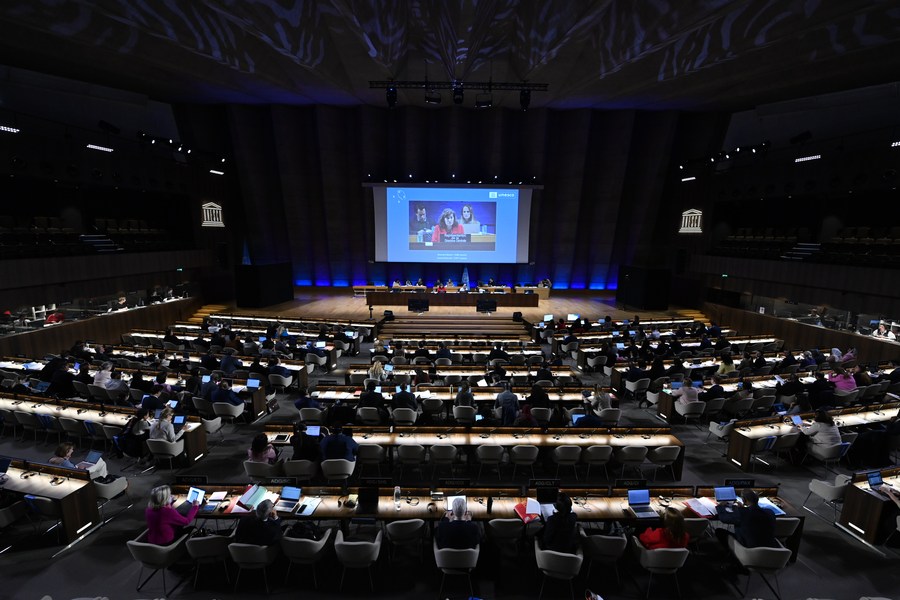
212, 215
691, 221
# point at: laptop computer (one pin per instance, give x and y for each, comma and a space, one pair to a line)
725, 494
194, 494
39, 386
620, 345
451, 499
796, 420
253, 383
388, 368
479, 417
875, 480
548, 318
572, 317
320, 344
367, 501
577, 417
639, 503
205, 379
676, 385
313, 430
290, 498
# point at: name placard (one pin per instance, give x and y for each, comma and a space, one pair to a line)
191, 480
455, 482
281, 481
630, 483
379, 482
536, 483
741, 483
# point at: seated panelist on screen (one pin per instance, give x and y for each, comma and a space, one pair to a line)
419, 221
447, 224
468, 221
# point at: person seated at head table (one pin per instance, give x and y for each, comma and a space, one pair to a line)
261, 450
560, 532
468, 221
670, 535
262, 527
164, 523
884, 332
456, 530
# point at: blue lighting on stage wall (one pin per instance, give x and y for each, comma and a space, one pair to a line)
303, 282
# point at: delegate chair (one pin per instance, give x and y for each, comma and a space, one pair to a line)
260, 471
523, 455
408, 533
404, 416
558, 565
227, 411
442, 455
357, 555
662, 561
156, 557
631, 456
453, 561
764, 561
410, 455
690, 410
167, 450
337, 469
303, 470
489, 455
280, 382
209, 550
605, 549
597, 456
301, 551
311, 416
506, 534
831, 494
464, 415
251, 557
827, 454
369, 455
567, 456
663, 457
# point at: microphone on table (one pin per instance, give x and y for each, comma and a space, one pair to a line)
488, 434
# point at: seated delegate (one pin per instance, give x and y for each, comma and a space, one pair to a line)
456, 529
164, 523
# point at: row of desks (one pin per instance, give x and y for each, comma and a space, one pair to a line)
464, 371
867, 513
194, 434
470, 299
463, 437
589, 504
569, 396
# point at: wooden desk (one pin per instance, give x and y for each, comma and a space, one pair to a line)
868, 514
359, 291
470, 299
746, 433
470, 437
76, 496
541, 292
569, 396
461, 370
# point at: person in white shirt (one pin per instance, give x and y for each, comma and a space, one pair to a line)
823, 431
884, 333
103, 375
687, 392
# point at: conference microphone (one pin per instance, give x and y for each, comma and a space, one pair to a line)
488, 434
442, 436
621, 435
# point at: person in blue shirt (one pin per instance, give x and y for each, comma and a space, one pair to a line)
229, 364
340, 444
277, 369
304, 401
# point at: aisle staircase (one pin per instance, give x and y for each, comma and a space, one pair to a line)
205, 311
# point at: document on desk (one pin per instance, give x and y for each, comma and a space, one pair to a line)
703, 507
424, 394
308, 506
769, 505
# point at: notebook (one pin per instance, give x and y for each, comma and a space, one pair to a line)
639, 503
367, 502
290, 498
725, 494
482, 382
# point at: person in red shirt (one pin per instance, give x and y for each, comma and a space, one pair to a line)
446, 224
164, 523
670, 535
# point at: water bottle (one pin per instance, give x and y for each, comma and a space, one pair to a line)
397, 497
419, 236
483, 229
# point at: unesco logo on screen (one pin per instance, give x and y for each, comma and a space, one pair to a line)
492, 194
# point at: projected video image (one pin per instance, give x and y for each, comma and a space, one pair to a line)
457, 224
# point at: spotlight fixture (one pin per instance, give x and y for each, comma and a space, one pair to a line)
391, 96
216, 172
484, 100
458, 94
9, 129
99, 148
432, 97
524, 99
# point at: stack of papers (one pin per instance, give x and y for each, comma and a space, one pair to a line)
768, 505
703, 507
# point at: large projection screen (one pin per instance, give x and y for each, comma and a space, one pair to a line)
451, 224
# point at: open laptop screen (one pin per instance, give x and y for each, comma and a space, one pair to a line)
4, 464
874, 478
725, 494
638, 497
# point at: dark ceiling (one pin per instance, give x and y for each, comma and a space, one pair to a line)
650, 54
